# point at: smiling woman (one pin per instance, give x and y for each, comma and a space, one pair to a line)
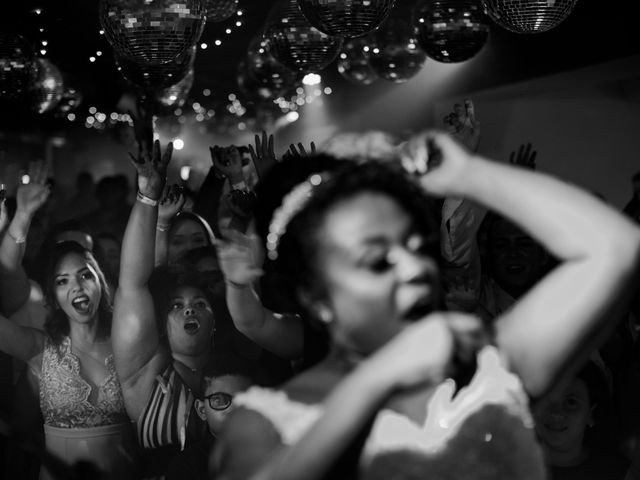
80, 395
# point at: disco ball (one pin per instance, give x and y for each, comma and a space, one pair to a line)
528, 16
450, 31
48, 88
395, 53
150, 78
353, 62
70, 101
345, 18
220, 10
295, 43
152, 32
18, 69
269, 74
176, 95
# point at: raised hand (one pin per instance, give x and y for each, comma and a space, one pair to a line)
263, 156
463, 125
152, 170
439, 160
227, 162
31, 196
238, 256
524, 157
421, 353
171, 203
299, 152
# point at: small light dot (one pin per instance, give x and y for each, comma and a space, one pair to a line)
206, 92
101, 32
38, 11
242, 126
99, 53
93, 110
218, 42
199, 117
315, 180
43, 52
90, 120
44, 43
203, 46
228, 30
238, 23
239, 13
327, 90
178, 144
196, 106
92, 59
25, 179
71, 117
232, 97
113, 116
41, 30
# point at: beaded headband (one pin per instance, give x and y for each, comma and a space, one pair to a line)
292, 203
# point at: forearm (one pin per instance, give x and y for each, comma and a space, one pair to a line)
348, 409
207, 200
281, 336
569, 222
162, 244
14, 283
138, 246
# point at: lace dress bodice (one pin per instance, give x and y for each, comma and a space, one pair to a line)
484, 432
64, 394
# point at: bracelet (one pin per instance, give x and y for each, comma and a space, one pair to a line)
146, 200
18, 240
239, 286
163, 227
241, 185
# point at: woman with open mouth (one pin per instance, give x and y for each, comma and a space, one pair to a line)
359, 249
162, 330
80, 395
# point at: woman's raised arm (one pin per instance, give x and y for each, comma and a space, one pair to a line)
564, 317
14, 283
134, 333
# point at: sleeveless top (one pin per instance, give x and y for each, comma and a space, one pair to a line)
165, 419
484, 432
64, 394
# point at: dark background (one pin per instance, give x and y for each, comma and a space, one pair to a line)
595, 32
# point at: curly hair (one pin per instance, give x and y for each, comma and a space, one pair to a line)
297, 265
56, 325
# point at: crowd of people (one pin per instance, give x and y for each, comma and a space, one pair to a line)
374, 308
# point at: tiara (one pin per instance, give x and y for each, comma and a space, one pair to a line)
292, 203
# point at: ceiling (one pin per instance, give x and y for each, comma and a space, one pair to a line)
595, 32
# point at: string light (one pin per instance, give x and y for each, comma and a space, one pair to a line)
92, 59
203, 46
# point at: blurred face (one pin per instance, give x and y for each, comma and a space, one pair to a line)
561, 421
77, 288
190, 321
218, 397
376, 272
188, 235
515, 260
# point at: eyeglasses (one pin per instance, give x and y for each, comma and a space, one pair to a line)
219, 400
